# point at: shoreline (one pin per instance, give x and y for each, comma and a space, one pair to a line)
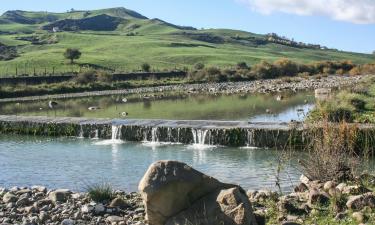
258, 86
39, 205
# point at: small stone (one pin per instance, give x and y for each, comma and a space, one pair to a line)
119, 202
60, 195
8, 197
329, 185
340, 216
43, 216
341, 187
39, 189
303, 179
23, 202
318, 197
99, 208
114, 219
359, 217
67, 222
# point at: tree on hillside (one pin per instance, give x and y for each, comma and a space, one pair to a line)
72, 54
242, 65
146, 67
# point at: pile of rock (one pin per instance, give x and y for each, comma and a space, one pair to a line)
37, 205
346, 200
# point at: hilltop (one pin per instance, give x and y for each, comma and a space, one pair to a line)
121, 39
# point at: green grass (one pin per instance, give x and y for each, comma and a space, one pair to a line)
347, 101
152, 44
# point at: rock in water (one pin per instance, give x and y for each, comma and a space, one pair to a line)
172, 190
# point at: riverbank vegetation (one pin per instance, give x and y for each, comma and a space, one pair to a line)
353, 105
97, 80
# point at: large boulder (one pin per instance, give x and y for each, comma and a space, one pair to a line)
226, 207
169, 188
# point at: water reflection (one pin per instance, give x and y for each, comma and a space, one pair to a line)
176, 106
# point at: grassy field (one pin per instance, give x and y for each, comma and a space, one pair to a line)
137, 40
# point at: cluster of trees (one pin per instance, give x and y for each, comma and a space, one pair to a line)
280, 68
273, 37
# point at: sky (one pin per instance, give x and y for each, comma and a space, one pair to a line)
343, 24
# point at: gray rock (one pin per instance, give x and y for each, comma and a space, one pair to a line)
114, 219
67, 222
226, 207
359, 202
8, 197
168, 187
23, 201
60, 195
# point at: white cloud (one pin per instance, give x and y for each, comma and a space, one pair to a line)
354, 11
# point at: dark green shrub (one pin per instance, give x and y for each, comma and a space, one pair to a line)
358, 104
146, 67
242, 65
199, 66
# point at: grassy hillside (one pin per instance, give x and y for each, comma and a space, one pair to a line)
122, 40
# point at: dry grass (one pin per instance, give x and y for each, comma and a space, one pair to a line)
331, 153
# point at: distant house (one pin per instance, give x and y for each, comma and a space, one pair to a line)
56, 29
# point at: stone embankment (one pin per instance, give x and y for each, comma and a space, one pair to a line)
259, 86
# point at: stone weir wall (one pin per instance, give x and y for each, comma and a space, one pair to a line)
225, 133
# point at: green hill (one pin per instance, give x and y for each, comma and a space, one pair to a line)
121, 39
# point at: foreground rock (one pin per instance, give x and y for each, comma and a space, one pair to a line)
37, 205
174, 193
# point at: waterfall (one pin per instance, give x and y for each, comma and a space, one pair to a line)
250, 143
81, 135
96, 134
169, 134
154, 135
116, 136
116, 132
199, 137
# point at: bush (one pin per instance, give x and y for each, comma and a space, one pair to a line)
331, 153
100, 192
199, 66
242, 66
265, 70
104, 77
286, 67
85, 77
146, 67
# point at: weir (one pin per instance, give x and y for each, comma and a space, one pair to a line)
195, 132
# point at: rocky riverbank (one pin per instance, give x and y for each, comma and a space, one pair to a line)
258, 86
38, 205
173, 193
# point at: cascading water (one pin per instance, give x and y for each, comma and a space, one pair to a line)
96, 137
199, 137
154, 135
250, 143
81, 135
116, 132
116, 137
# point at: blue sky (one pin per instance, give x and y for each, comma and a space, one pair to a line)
343, 24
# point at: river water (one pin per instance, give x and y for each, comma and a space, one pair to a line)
74, 163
